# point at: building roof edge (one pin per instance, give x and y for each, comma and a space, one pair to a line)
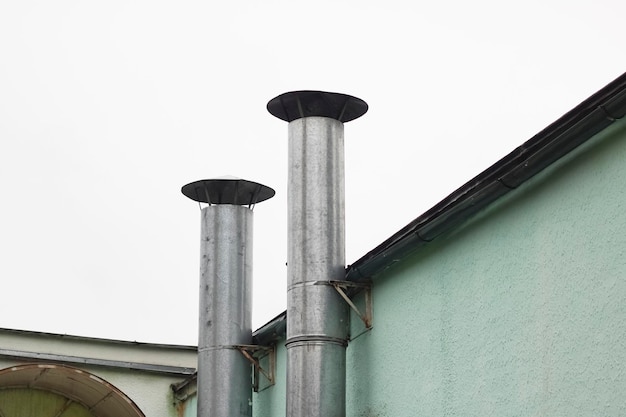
575, 127
555, 141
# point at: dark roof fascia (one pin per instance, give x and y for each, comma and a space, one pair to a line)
271, 332
559, 138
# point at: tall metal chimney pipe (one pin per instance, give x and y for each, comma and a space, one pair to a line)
224, 374
317, 317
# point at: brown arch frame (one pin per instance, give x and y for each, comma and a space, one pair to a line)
100, 397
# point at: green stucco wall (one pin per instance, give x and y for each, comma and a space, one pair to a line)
521, 312
271, 402
189, 408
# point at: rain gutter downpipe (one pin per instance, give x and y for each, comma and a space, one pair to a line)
225, 320
317, 317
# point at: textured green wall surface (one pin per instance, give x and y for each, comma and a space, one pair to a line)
520, 312
271, 402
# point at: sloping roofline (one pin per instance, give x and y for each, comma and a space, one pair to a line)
571, 130
555, 141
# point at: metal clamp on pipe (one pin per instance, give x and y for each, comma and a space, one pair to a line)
317, 320
225, 319
254, 354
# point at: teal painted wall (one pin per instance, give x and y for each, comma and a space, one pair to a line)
270, 402
189, 408
521, 312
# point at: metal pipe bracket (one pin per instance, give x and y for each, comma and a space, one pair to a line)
343, 286
263, 360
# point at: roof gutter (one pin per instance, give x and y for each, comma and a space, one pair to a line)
568, 132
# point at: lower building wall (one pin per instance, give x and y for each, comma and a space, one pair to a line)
270, 402
151, 392
522, 312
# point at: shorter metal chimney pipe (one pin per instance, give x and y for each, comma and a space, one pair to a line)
225, 320
317, 317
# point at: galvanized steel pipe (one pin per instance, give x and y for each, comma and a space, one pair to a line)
224, 387
225, 320
317, 317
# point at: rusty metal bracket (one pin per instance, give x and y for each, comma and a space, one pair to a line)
342, 286
254, 354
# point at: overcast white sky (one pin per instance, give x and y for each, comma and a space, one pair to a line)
108, 107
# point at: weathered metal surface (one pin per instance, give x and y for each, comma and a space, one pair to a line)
317, 317
298, 104
341, 286
316, 235
254, 354
224, 377
316, 372
227, 190
224, 374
